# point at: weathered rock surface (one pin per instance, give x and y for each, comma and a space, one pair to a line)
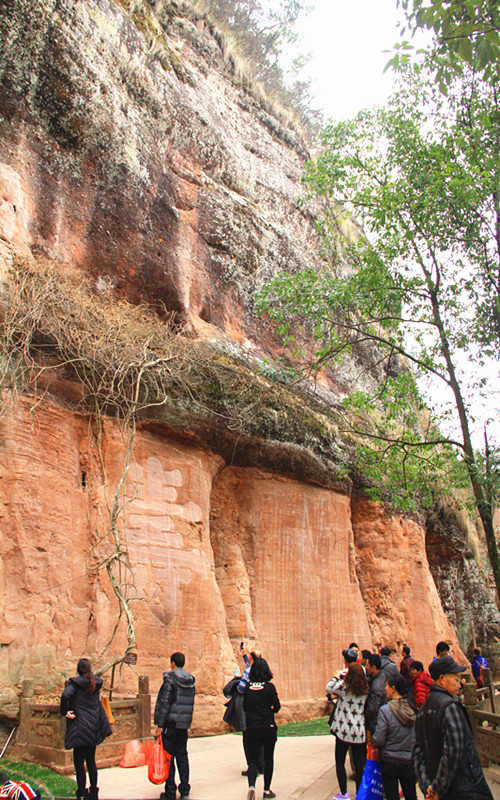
398, 589
218, 554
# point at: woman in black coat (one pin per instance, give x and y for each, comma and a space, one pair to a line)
261, 703
86, 725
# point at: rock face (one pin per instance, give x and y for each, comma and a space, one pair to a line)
396, 582
218, 554
131, 151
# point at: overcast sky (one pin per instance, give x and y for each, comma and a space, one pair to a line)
346, 39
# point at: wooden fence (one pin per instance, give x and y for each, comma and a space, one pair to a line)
41, 731
482, 705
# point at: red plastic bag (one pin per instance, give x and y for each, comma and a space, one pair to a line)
134, 755
147, 748
159, 763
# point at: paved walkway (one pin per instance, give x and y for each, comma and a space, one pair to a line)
303, 769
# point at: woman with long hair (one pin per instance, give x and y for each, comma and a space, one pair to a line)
261, 703
395, 736
86, 725
348, 725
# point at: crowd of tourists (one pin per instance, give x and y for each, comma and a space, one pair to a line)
413, 718
409, 715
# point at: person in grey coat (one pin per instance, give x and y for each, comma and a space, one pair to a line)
86, 725
174, 714
395, 737
387, 665
377, 696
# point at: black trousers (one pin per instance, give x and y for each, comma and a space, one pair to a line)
358, 756
392, 773
175, 743
254, 739
82, 756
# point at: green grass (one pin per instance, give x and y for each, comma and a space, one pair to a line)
50, 783
311, 727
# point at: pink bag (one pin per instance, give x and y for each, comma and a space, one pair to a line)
134, 755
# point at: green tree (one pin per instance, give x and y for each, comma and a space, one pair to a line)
465, 31
421, 290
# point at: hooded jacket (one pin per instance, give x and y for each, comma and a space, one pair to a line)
175, 701
90, 726
375, 700
395, 731
234, 714
420, 687
388, 667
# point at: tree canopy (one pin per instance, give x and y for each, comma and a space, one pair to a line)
466, 32
422, 287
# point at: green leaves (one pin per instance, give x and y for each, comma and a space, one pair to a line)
419, 294
466, 32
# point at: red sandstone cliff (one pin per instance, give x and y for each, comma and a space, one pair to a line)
131, 152
219, 554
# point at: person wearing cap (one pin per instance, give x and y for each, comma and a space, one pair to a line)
445, 756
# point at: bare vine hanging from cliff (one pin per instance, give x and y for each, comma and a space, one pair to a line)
131, 366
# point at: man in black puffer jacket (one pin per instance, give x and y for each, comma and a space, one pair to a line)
173, 714
445, 756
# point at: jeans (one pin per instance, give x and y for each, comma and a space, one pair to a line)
175, 743
254, 739
82, 755
392, 772
358, 756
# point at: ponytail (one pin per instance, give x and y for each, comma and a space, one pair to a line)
84, 668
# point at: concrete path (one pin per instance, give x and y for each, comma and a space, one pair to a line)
303, 770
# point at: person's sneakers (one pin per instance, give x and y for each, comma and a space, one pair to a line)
251, 793
341, 796
269, 793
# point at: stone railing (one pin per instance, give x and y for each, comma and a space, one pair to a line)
482, 707
41, 729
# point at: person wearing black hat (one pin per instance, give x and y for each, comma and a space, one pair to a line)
445, 756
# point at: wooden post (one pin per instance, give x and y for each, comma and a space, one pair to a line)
144, 709
470, 694
471, 703
488, 681
25, 710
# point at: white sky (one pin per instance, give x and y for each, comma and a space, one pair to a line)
346, 39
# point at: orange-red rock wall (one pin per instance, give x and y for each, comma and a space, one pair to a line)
218, 554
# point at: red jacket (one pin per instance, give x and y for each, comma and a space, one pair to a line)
421, 685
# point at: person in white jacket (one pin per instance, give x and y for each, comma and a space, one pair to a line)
348, 725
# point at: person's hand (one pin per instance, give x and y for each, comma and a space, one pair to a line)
70, 714
431, 794
158, 732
